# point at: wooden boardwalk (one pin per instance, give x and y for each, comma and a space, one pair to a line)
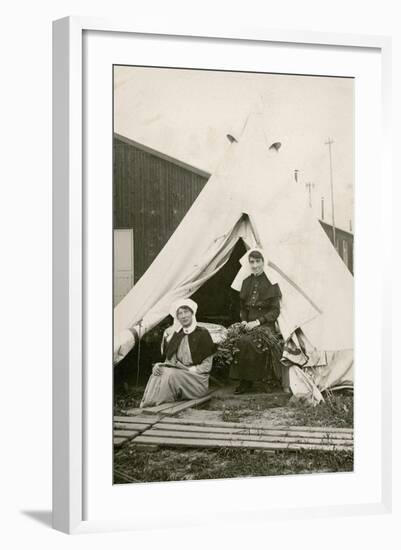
158, 428
126, 428
137, 421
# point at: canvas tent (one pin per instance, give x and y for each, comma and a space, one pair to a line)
253, 197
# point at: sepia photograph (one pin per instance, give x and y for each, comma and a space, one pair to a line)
233, 260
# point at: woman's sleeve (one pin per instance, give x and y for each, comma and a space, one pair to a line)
273, 313
243, 313
204, 367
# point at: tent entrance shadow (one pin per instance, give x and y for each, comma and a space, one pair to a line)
217, 301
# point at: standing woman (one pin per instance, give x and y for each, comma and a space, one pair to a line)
259, 310
189, 356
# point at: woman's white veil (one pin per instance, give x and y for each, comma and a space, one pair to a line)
184, 302
245, 269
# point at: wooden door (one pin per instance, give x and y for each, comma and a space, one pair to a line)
123, 263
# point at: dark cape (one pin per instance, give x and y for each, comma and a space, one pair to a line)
259, 300
200, 343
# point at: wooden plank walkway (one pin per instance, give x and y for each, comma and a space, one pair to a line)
245, 444
140, 420
254, 435
346, 432
126, 428
179, 407
177, 432
186, 433
173, 408
156, 426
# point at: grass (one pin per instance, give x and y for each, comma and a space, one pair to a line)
143, 465
337, 411
135, 465
238, 408
235, 414
127, 398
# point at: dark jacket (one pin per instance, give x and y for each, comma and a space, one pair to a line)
200, 343
260, 299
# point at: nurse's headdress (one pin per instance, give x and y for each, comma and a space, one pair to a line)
184, 302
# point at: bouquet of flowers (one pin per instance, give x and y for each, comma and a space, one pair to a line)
264, 339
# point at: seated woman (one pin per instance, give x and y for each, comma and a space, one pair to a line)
189, 354
260, 308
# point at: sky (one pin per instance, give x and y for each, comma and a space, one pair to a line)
187, 114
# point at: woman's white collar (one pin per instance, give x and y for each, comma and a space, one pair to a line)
191, 328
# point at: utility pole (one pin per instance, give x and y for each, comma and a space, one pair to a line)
330, 142
309, 187
322, 208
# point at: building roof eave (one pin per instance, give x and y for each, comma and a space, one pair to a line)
163, 156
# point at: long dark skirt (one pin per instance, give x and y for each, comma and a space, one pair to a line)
252, 364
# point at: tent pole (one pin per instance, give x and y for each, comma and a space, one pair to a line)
139, 353
330, 142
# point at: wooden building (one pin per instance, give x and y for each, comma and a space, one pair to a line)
344, 243
151, 194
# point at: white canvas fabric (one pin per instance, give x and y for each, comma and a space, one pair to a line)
245, 269
250, 196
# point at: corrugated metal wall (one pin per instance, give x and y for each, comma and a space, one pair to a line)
150, 195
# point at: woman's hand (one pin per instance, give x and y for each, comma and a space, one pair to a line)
157, 369
252, 324
181, 365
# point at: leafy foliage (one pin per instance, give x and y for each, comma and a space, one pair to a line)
263, 338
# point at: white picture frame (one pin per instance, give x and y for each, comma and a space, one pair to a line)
70, 343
